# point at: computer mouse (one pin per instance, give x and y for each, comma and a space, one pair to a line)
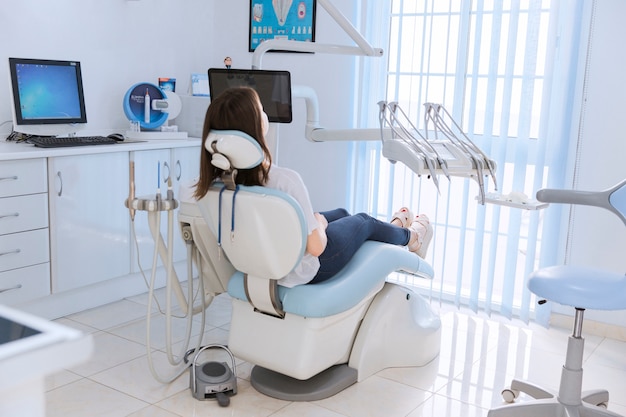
117, 136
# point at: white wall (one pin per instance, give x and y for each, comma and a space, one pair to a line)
598, 238
119, 43
122, 42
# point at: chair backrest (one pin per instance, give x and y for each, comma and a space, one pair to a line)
261, 230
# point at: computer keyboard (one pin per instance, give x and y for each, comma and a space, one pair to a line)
55, 142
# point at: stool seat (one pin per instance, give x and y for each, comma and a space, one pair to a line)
582, 287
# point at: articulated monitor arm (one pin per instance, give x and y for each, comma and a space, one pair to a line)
314, 132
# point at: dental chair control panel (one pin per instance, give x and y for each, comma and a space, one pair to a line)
310, 341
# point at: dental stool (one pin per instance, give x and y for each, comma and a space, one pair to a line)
582, 288
310, 341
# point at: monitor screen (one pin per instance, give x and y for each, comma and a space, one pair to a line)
273, 87
47, 92
11, 330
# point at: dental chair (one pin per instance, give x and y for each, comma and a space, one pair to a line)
311, 341
582, 288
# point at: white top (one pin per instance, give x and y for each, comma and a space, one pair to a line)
289, 182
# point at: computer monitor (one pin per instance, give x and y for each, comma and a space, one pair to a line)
273, 87
47, 96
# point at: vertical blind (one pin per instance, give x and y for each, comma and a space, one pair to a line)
503, 71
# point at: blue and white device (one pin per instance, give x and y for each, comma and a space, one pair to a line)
138, 105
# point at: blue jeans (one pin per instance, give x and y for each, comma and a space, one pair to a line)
346, 233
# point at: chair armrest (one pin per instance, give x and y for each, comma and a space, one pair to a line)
612, 199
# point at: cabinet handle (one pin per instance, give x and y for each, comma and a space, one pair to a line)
2, 216
166, 178
17, 287
13, 178
60, 184
11, 252
179, 169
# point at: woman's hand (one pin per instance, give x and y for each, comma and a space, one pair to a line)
322, 220
316, 241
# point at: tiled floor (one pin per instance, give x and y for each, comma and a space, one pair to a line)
479, 356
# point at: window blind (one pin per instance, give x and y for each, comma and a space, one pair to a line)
506, 72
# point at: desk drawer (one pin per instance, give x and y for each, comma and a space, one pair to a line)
24, 249
23, 176
24, 284
27, 212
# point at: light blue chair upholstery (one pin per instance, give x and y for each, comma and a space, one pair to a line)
581, 288
371, 264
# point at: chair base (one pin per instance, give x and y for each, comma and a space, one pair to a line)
598, 397
550, 407
569, 401
323, 385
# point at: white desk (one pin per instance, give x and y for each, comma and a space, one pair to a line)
24, 362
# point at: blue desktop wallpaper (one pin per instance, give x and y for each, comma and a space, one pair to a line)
48, 92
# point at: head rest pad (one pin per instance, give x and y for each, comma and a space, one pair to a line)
240, 149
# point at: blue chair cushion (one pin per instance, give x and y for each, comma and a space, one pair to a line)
581, 287
368, 268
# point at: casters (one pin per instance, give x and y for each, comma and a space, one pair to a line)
509, 395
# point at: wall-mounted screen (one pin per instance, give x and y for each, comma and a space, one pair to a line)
273, 87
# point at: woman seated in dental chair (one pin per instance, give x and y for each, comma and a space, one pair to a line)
333, 236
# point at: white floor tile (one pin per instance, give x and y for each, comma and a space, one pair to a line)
246, 403
376, 396
110, 315
479, 357
153, 411
136, 330
86, 397
441, 406
305, 409
135, 378
608, 353
109, 351
76, 325
58, 379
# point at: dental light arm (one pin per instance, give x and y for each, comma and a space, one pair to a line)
315, 133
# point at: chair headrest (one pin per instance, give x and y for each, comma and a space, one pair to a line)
233, 149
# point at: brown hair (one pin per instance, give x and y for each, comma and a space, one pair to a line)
234, 109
